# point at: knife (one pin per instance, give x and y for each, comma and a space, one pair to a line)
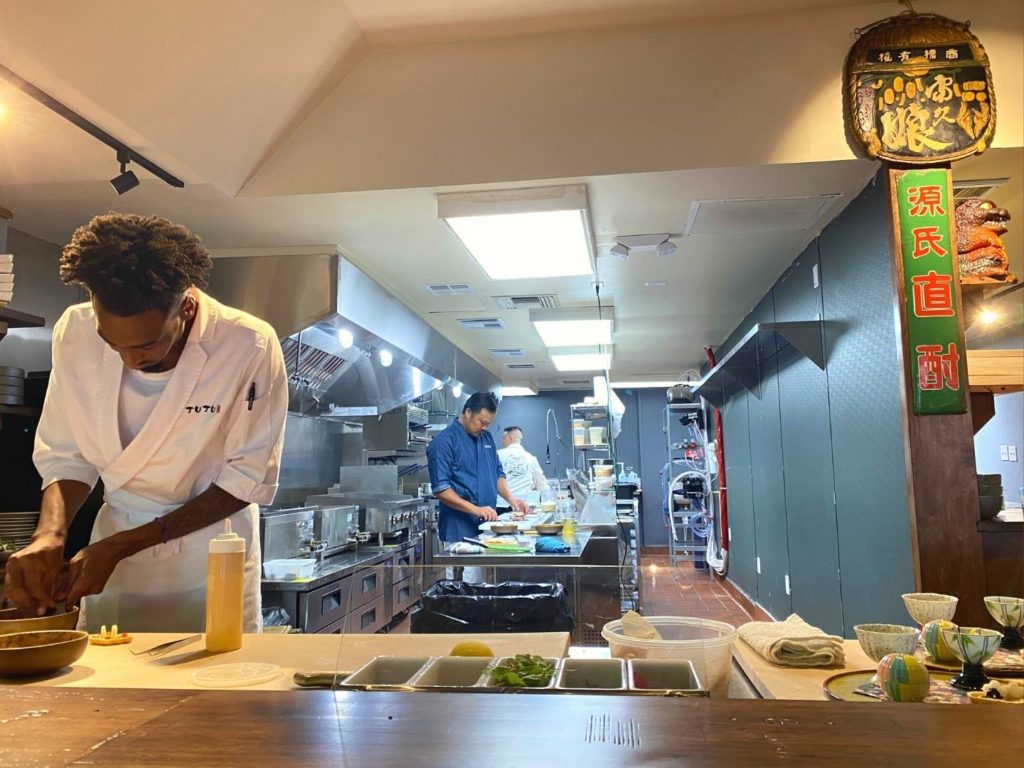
164, 648
318, 679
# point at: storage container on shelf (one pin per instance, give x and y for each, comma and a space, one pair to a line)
289, 569
707, 643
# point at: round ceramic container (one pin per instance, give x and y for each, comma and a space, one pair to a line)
1007, 611
878, 640
903, 677
928, 606
935, 644
972, 645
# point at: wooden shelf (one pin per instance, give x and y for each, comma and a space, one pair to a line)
998, 371
16, 319
590, 411
740, 368
20, 410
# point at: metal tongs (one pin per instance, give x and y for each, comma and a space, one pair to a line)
165, 648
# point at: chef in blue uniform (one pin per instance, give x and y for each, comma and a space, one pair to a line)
465, 472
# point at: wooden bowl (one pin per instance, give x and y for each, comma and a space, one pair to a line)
548, 529
504, 529
25, 654
24, 620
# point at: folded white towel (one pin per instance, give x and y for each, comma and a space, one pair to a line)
465, 548
793, 643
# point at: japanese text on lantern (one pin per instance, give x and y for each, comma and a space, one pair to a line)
933, 331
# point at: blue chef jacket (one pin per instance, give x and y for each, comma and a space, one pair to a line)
470, 467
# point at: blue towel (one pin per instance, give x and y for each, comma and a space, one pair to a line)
550, 544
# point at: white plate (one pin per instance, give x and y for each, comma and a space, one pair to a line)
522, 525
235, 675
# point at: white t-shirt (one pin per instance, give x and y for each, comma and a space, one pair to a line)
522, 470
139, 394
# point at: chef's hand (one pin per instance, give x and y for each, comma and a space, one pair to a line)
33, 574
520, 506
487, 514
90, 570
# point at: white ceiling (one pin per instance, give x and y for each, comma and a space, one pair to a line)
250, 97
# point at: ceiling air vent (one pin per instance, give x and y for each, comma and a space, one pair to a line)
520, 366
450, 289
482, 323
538, 301
509, 352
577, 382
757, 214
975, 187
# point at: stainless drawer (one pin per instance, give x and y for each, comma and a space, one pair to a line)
367, 586
404, 563
324, 606
405, 593
367, 619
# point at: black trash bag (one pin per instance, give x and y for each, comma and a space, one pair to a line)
512, 606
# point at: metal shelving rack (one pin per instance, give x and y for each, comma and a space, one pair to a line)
684, 543
590, 413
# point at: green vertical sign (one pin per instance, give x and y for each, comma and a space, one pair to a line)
936, 355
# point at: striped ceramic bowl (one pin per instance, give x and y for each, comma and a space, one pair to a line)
1008, 611
934, 643
972, 645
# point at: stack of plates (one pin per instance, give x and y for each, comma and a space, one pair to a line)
18, 527
12, 385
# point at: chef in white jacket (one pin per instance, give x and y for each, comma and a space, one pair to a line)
178, 403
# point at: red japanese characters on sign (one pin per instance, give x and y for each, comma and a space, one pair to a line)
926, 241
933, 295
936, 363
937, 369
926, 200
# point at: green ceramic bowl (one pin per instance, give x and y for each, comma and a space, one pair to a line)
972, 645
1007, 611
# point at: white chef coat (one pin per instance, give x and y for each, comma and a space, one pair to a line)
522, 470
201, 432
140, 392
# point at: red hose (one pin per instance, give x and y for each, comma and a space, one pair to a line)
723, 507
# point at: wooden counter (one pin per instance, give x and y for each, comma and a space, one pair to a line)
116, 667
775, 682
271, 729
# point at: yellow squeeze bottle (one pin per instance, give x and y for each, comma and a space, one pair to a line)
224, 591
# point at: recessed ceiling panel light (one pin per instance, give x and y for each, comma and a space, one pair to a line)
581, 359
572, 327
517, 391
523, 233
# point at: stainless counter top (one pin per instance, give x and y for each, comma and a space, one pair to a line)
334, 568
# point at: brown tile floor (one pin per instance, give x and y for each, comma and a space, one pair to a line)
685, 591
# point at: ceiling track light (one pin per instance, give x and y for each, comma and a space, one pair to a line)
661, 243
126, 180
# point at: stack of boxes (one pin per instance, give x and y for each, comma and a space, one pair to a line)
6, 278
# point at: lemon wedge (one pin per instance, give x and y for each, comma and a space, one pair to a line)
471, 648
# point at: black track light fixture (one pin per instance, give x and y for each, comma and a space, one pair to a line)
126, 180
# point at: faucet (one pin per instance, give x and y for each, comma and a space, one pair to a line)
549, 419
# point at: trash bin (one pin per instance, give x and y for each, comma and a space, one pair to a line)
512, 606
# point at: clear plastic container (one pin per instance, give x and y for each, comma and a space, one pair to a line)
289, 570
707, 643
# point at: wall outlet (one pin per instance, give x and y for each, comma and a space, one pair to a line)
730, 534
814, 276
1004, 453
759, 566
787, 584
1012, 450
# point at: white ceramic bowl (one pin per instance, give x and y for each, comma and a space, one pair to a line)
1007, 611
879, 640
972, 645
928, 606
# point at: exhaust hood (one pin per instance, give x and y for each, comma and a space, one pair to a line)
390, 356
